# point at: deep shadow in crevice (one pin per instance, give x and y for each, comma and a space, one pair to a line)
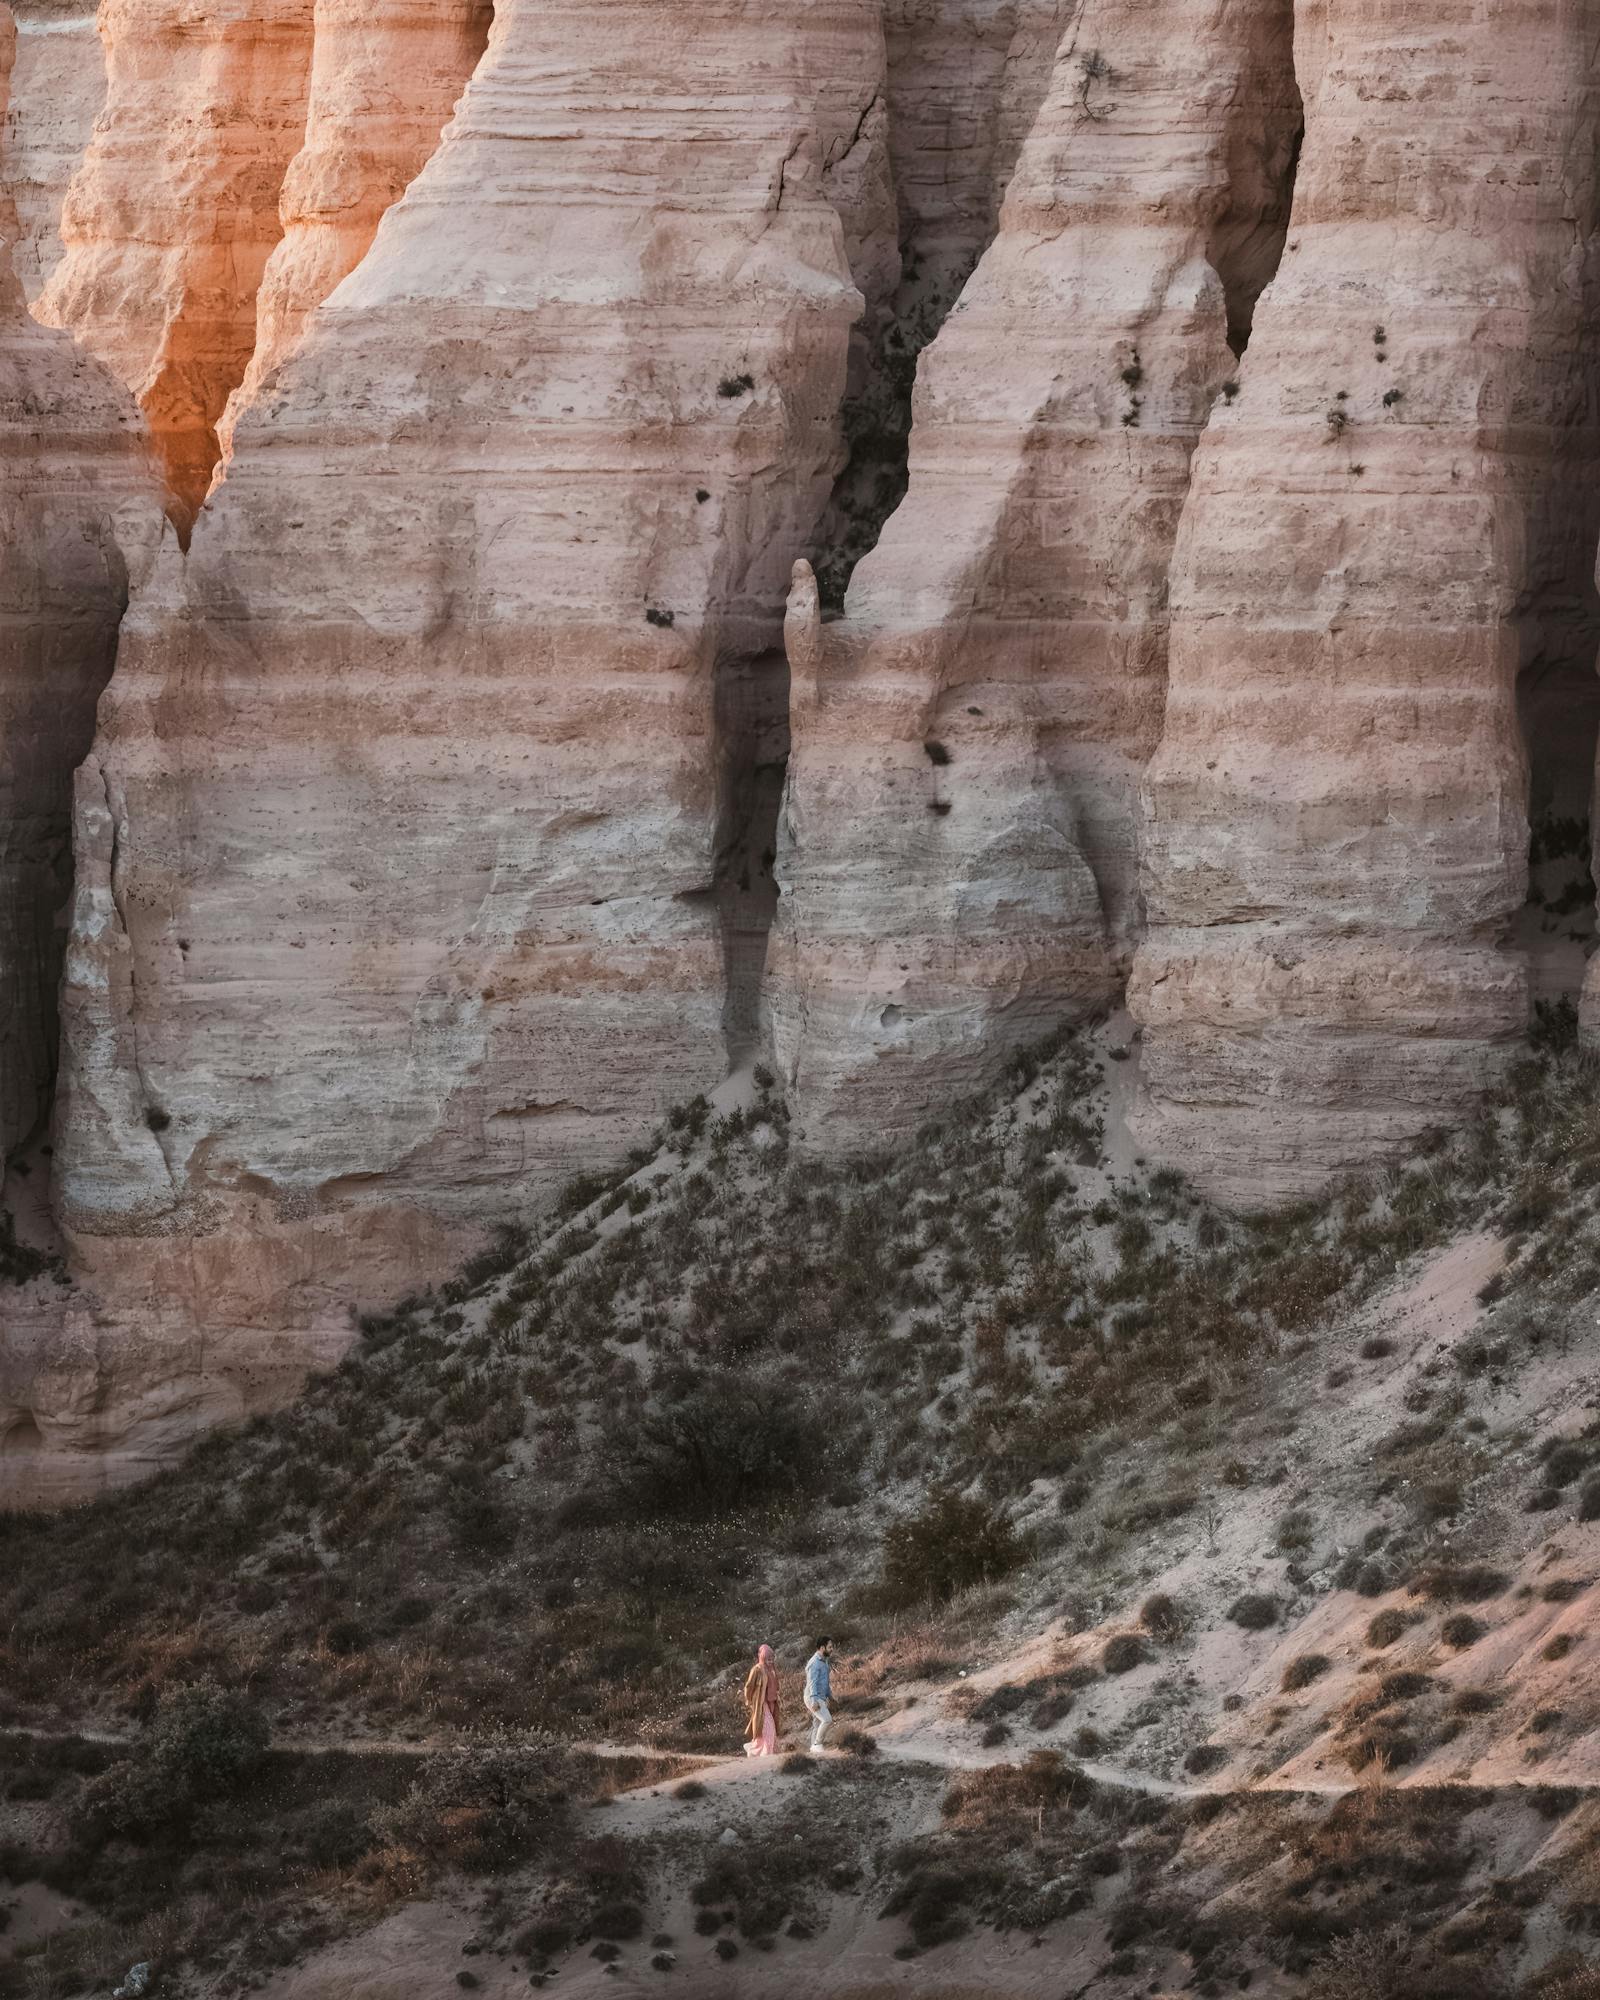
1246, 240
752, 733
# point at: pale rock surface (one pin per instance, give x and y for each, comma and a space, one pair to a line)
58, 85
394, 900
75, 511
957, 854
78, 521
172, 215
1394, 518
385, 75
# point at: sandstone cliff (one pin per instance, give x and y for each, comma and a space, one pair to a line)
1394, 518
74, 509
1222, 630
58, 86
170, 219
384, 78
396, 849
958, 849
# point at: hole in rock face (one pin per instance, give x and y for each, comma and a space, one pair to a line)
1558, 707
22, 1435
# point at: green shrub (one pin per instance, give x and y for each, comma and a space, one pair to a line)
953, 1542
1254, 1611
1461, 1630
203, 1744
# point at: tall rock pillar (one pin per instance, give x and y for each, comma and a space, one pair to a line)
957, 852
1392, 520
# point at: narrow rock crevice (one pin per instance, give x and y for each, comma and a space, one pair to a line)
962, 91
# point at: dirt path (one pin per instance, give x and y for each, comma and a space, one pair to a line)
925, 1748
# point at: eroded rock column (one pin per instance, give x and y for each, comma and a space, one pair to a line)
395, 901
958, 845
385, 75
1379, 528
173, 213
76, 506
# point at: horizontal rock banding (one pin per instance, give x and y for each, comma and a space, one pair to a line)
1336, 834
959, 855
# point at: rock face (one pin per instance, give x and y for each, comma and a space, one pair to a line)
395, 853
58, 85
1217, 632
958, 848
1393, 520
74, 509
170, 219
384, 78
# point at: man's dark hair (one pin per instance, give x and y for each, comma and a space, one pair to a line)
823, 1641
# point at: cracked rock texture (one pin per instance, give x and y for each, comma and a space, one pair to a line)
1392, 521
958, 849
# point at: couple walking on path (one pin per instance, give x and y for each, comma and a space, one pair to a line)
761, 1700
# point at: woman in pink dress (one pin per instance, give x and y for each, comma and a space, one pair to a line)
761, 1706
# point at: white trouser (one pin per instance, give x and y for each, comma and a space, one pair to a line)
821, 1721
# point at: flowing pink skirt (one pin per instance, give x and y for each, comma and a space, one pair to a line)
766, 1744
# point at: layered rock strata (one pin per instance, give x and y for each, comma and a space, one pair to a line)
172, 216
958, 845
1394, 518
74, 509
384, 78
395, 899
58, 86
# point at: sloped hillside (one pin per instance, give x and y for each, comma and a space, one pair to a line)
1196, 1579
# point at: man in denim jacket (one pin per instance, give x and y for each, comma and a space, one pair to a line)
819, 1692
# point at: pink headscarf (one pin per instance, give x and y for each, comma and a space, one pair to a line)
764, 1655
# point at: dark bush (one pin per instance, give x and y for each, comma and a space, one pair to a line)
1564, 1460
1559, 1647
953, 1542
1589, 1500
1162, 1618
1388, 1625
1254, 1611
1468, 1583
1205, 1758
1461, 1630
1301, 1672
481, 1807
1123, 1652
727, 1437
203, 1744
